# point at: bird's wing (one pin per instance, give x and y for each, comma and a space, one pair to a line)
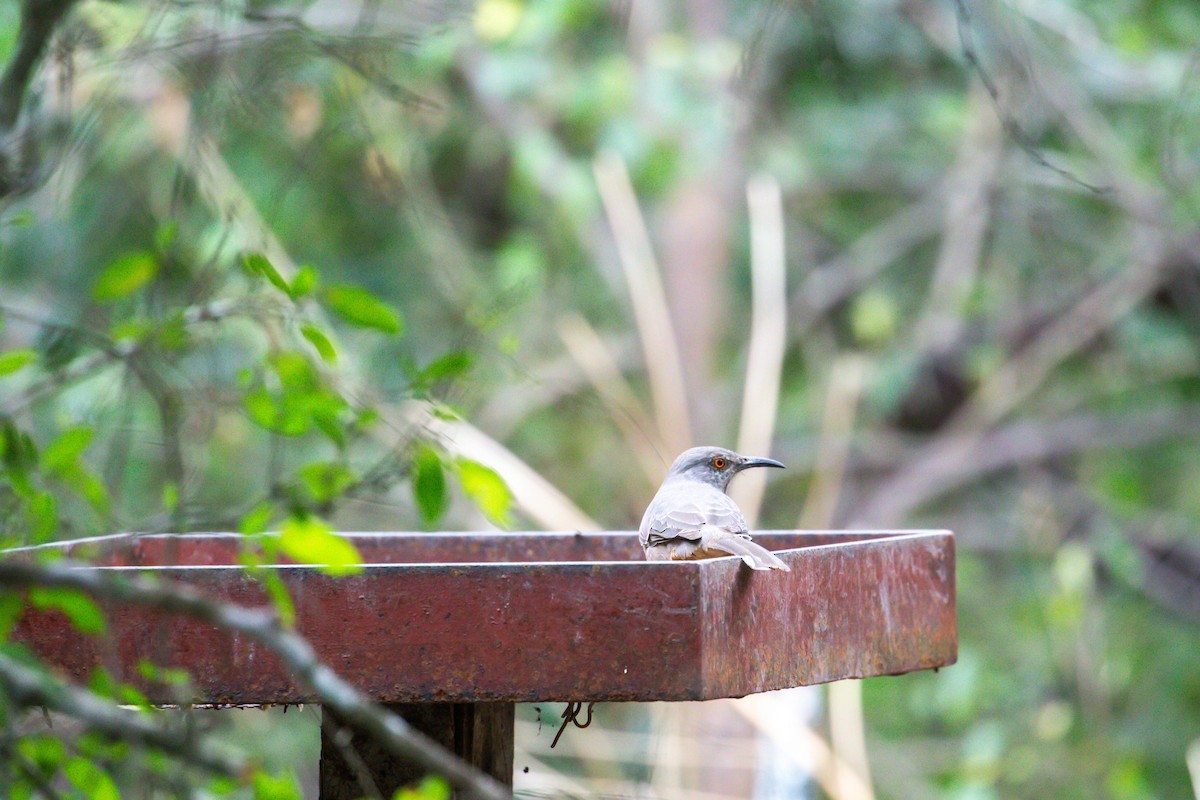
755, 556
681, 510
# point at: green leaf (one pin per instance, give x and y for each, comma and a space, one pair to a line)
295, 371
16, 360
89, 778
82, 610
486, 489
171, 676
222, 786
327, 422
253, 558
99, 746
60, 346
325, 480
431, 787
45, 752
101, 682
125, 276
873, 317
173, 334
10, 613
308, 540
19, 454
447, 367
132, 696
42, 513
258, 264
256, 519
164, 237
262, 408
320, 341
280, 596
278, 416
92, 490
86, 485
366, 418
363, 309
305, 282
64, 452
275, 787
22, 219
170, 497
429, 484
442, 411
134, 329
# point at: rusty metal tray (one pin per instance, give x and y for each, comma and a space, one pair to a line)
437, 617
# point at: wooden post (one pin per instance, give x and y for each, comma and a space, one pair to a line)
479, 733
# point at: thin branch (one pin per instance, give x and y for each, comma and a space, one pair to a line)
1011, 126
292, 650
341, 738
768, 336
170, 411
1031, 441
39, 18
951, 462
108, 352
34, 774
802, 745
847, 737
1013, 383
593, 356
553, 380
78, 370
28, 687
837, 279
967, 216
664, 366
1095, 312
847, 378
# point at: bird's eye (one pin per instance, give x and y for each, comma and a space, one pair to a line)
719, 463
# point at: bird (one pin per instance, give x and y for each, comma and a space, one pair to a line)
692, 518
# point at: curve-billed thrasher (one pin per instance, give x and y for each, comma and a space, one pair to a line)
691, 517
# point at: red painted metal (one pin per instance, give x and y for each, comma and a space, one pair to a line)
528, 617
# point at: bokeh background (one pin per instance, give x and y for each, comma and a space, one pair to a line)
942, 257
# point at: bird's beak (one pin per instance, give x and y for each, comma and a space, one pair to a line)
760, 462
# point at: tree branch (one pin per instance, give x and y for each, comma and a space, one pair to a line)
39, 18
292, 649
953, 461
32, 687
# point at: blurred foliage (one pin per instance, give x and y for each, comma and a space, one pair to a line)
251, 232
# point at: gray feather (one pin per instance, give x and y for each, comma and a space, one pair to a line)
755, 556
681, 508
691, 517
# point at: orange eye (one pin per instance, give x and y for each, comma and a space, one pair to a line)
719, 463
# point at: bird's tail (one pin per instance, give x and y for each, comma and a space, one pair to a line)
756, 556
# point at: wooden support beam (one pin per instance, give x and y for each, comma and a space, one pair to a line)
479, 733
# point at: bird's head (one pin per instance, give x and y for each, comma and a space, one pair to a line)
714, 465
